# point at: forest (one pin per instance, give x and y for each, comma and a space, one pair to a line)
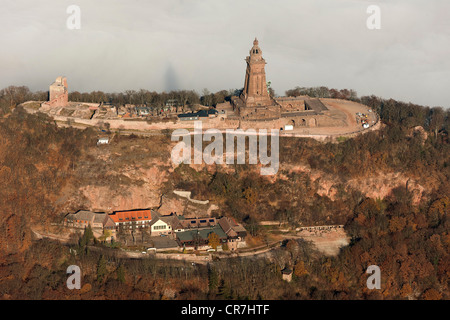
409, 242
14, 95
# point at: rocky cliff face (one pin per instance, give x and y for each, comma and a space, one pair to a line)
150, 194
375, 185
132, 197
143, 190
117, 183
190, 208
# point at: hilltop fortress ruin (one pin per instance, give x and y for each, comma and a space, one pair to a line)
253, 107
58, 93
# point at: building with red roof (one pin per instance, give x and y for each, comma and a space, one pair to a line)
133, 218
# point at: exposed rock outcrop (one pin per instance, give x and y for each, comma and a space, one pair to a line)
376, 185
173, 202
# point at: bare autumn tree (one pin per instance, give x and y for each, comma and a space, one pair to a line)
213, 240
15, 95
40, 96
219, 97
133, 231
129, 94
98, 96
436, 119
207, 97
193, 97
140, 96
75, 96
293, 248
184, 96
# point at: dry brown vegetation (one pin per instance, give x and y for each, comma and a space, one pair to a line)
39, 162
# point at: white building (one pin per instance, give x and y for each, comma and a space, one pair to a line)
103, 140
160, 226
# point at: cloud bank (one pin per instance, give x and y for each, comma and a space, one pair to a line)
196, 44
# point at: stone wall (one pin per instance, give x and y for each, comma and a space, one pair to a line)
187, 195
298, 121
257, 113
291, 104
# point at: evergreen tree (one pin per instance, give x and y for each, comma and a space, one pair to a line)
85, 239
121, 274
213, 279
101, 269
224, 290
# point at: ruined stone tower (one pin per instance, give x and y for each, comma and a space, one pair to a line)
58, 93
255, 87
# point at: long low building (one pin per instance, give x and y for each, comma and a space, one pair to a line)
199, 237
98, 221
199, 114
130, 219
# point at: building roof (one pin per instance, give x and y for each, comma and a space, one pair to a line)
171, 220
108, 222
287, 271
201, 113
171, 102
156, 219
99, 217
131, 215
188, 115
166, 219
231, 227
315, 104
225, 224
188, 223
163, 243
89, 216
203, 233
81, 215
174, 221
206, 113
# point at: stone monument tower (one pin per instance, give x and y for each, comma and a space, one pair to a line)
255, 88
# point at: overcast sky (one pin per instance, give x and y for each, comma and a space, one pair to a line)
194, 44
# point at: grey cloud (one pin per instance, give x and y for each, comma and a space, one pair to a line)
164, 45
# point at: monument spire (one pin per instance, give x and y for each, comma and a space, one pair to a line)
255, 87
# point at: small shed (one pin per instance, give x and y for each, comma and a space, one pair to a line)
103, 140
286, 274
